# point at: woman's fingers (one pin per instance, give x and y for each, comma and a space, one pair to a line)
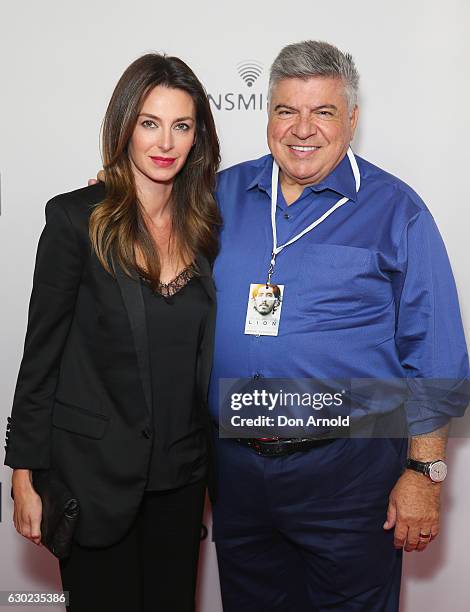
27, 517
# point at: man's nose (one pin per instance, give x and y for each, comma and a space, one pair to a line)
304, 127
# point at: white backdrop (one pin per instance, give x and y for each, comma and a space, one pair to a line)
59, 63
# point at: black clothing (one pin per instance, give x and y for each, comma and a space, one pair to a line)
83, 401
175, 326
151, 569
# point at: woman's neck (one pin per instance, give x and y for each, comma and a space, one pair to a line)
155, 200
154, 196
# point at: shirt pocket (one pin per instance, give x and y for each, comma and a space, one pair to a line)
332, 281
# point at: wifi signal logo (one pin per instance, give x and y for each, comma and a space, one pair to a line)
249, 70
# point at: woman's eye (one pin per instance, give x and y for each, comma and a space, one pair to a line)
183, 127
148, 123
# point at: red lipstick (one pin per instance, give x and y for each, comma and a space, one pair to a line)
163, 162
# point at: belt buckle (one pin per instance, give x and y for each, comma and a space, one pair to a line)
256, 444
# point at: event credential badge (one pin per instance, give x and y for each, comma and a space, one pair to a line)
263, 312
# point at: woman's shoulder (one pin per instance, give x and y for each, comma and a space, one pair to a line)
75, 207
80, 201
71, 211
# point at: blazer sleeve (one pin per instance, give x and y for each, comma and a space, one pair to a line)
57, 275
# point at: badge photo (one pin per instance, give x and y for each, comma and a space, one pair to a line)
263, 311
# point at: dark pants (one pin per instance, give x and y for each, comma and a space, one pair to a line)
153, 568
303, 533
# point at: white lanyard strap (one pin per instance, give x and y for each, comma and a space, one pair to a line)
274, 183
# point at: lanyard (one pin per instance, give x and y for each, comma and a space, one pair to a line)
274, 181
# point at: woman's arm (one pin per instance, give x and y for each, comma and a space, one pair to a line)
56, 280
57, 274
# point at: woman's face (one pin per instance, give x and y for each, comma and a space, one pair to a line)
163, 135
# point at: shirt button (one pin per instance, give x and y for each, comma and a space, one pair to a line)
147, 433
286, 216
256, 376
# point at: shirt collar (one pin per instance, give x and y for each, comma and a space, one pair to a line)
340, 180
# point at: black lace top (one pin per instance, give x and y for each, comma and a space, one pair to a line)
183, 278
176, 316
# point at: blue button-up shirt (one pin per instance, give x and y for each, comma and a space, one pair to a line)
369, 293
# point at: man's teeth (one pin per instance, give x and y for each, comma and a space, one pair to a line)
297, 148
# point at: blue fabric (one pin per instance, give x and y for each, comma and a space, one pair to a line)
369, 293
305, 531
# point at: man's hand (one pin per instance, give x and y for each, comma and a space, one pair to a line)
99, 178
413, 510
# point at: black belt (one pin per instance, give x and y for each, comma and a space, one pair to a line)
280, 447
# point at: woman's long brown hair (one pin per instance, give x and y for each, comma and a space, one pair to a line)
117, 228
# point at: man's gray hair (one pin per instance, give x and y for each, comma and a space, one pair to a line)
314, 58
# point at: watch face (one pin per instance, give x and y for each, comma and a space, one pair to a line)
437, 471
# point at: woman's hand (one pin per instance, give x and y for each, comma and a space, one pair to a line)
28, 506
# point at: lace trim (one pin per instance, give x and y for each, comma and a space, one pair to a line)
175, 285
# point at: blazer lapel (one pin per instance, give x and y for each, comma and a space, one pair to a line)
206, 276
131, 291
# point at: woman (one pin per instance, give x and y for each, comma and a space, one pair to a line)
112, 387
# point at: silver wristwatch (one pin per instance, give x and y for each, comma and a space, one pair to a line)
435, 470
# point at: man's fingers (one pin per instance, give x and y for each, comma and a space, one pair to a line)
391, 516
400, 535
412, 539
422, 544
425, 536
434, 532
99, 178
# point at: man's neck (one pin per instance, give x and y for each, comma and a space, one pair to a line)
291, 191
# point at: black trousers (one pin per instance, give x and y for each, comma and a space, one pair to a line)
152, 569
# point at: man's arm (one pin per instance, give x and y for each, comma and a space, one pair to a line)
414, 503
431, 346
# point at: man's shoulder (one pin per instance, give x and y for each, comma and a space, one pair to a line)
392, 187
244, 172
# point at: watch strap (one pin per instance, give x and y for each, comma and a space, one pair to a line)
418, 466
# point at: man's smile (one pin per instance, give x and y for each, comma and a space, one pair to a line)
302, 148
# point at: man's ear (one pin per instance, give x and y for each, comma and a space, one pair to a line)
354, 118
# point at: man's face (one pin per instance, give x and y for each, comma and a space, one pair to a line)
309, 128
265, 300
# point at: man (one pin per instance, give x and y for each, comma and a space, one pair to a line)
367, 293
266, 299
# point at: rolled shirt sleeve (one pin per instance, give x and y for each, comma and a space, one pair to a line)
429, 334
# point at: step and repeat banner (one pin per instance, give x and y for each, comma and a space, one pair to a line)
59, 64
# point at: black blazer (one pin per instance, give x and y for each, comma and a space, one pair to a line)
83, 402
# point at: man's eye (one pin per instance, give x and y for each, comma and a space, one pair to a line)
285, 112
325, 113
148, 123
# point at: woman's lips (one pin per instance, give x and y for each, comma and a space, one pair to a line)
163, 162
